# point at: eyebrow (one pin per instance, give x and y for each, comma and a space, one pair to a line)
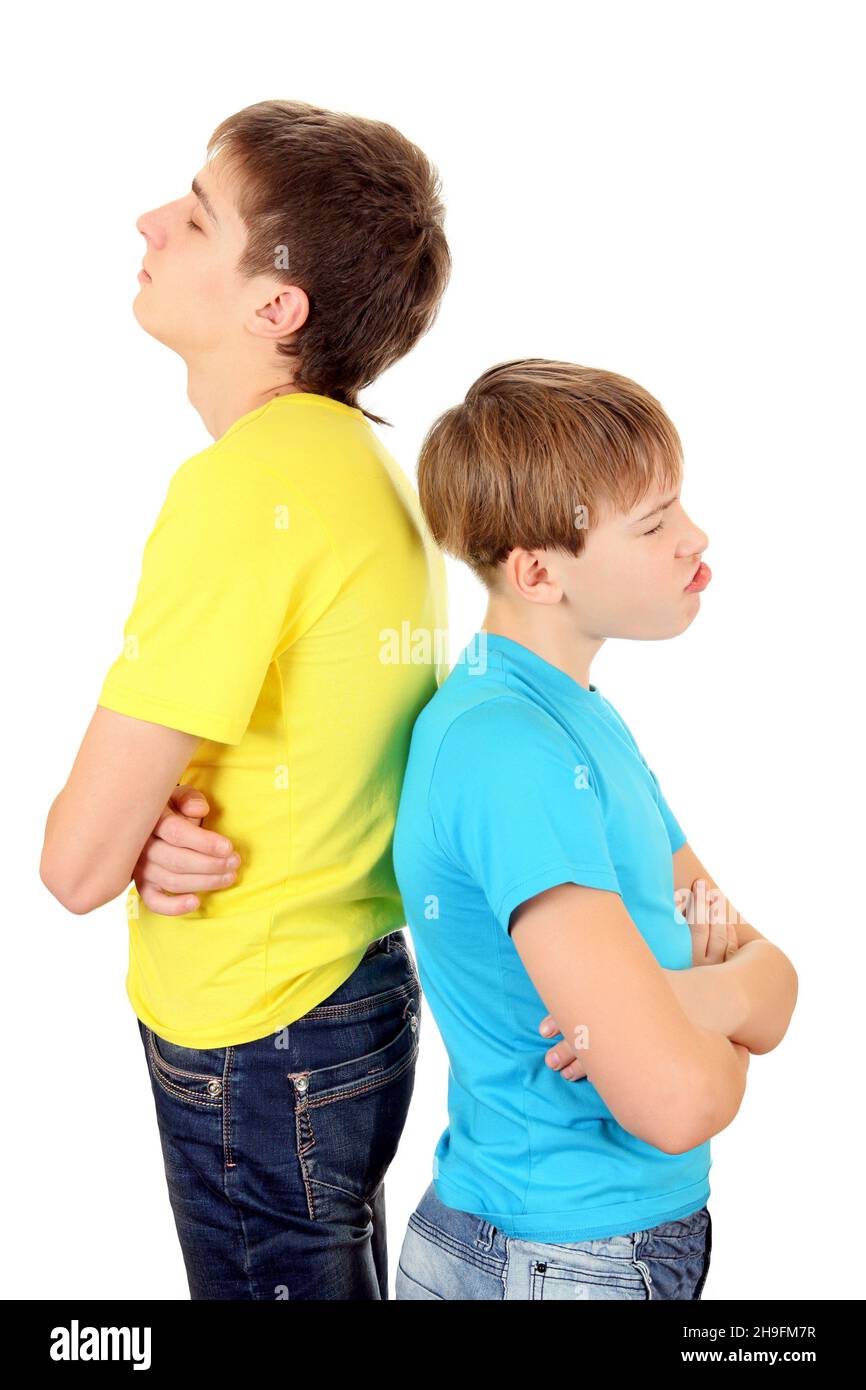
655, 511
205, 201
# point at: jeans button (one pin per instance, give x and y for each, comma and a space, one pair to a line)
214, 1088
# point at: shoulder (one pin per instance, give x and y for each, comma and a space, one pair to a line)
502, 736
226, 468
228, 490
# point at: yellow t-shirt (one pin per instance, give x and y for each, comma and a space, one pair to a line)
291, 611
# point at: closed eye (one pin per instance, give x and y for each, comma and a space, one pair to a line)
190, 223
655, 528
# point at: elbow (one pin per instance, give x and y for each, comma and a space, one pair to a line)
685, 1118
679, 1140
684, 1132
73, 902
55, 875
676, 1134
793, 991
75, 894
705, 1107
669, 1130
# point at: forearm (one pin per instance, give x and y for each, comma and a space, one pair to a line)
97, 826
57, 868
63, 866
750, 997
714, 1091
711, 998
767, 983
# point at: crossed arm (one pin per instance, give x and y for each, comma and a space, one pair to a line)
749, 994
115, 796
740, 984
119, 816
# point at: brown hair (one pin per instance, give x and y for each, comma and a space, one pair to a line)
358, 208
532, 441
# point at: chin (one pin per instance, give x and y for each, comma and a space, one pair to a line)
656, 630
691, 613
145, 321
139, 311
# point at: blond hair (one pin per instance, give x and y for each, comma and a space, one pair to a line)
533, 453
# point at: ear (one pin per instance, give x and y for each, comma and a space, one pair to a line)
529, 573
285, 313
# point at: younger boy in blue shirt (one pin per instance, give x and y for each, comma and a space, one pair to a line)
536, 856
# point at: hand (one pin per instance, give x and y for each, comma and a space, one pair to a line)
181, 858
714, 937
561, 1057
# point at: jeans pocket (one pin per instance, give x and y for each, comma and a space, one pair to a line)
585, 1277
193, 1075
349, 1115
406, 1288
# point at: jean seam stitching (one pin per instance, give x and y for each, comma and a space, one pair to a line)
392, 1074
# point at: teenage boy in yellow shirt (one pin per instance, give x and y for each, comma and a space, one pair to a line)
265, 663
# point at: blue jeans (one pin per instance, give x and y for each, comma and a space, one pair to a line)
276, 1150
450, 1254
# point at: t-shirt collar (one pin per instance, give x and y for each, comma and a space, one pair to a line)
534, 668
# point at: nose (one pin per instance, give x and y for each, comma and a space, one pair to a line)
696, 540
148, 225
153, 225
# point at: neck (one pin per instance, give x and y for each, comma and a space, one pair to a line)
548, 631
222, 393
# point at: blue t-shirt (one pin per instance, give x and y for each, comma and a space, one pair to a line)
520, 778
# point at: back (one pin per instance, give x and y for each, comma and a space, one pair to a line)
281, 590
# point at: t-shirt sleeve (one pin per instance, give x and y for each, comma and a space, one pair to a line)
236, 569
513, 804
676, 834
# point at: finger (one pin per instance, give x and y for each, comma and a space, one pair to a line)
549, 1027
718, 942
573, 1073
189, 800
700, 901
181, 831
187, 883
176, 858
733, 942
560, 1056
717, 917
700, 941
164, 903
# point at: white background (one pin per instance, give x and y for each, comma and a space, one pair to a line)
668, 190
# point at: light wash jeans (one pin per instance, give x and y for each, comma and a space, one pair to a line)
449, 1254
